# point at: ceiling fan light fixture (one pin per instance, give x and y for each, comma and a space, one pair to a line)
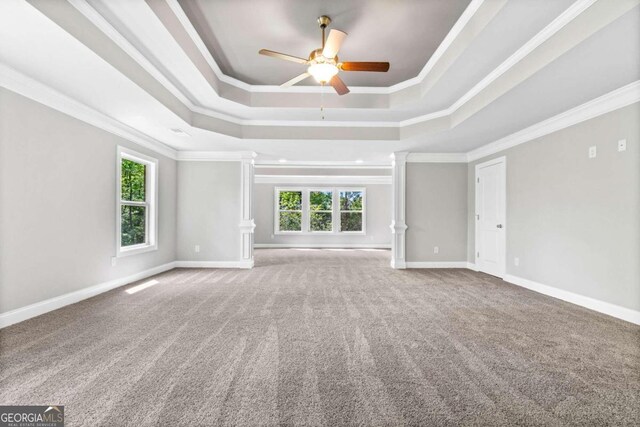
322, 72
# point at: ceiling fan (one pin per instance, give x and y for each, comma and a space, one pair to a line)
323, 64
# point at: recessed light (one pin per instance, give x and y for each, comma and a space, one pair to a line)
179, 132
283, 160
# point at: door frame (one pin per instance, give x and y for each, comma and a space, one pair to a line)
503, 242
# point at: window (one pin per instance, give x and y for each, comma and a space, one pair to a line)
136, 202
319, 210
351, 211
289, 211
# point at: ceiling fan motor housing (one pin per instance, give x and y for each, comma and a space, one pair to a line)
317, 57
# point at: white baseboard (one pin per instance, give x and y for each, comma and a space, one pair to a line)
472, 266
322, 245
20, 314
214, 264
623, 313
437, 264
398, 264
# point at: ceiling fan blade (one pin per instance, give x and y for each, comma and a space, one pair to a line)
339, 85
365, 66
334, 41
284, 56
296, 79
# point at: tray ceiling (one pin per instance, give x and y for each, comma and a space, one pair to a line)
142, 68
404, 33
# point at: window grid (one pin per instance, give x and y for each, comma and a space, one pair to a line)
281, 211
143, 197
352, 211
336, 211
311, 211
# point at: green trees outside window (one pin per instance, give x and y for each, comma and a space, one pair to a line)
290, 208
133, 212
351, 211
321, 210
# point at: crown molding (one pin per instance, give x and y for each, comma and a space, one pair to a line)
103, 25
215, 156
455, 31
437, 158
39, 92
536, 41
320, 164
322, 179
560, 22
446, 43
614, 100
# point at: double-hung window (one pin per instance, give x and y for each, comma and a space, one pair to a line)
351, 211
136, 216
319, 210
289, 211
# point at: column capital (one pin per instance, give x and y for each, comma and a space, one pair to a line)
399, 157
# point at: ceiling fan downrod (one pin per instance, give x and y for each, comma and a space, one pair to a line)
323, 22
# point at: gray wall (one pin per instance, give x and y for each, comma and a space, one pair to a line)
378, 217
574, 222
209, 211
57, 205
436, 212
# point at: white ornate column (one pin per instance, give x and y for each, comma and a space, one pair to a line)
398, 225
247, 223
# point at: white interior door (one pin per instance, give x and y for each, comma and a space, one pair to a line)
490, 216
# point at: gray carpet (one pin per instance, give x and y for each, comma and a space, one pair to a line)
325, 337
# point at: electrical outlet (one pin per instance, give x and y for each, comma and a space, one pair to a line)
197, 248
272, 236
436, 249
516, 261
592, 152
622, 145
113, 261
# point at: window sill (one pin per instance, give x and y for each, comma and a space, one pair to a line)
135, 250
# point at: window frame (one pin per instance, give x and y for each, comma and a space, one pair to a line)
277, 210
309, 190
306, 211
150, 203
364, 209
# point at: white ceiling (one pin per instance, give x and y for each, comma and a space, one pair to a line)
137, 63
404, 33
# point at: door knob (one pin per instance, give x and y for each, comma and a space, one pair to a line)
499, 225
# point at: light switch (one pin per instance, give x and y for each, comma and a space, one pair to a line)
436, 249
622, 145
592, 152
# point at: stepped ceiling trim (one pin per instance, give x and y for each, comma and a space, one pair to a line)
555, 39
32, 89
